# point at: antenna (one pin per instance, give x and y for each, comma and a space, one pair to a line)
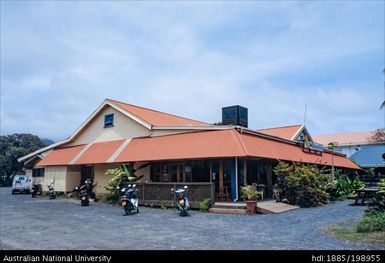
304, 118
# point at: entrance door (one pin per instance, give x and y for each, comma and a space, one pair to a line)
87, 172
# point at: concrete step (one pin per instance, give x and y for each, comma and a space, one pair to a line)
233, 211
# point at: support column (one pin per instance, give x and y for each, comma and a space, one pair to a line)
211, 171
236, 179
221, 177
269, 179
244, 172
178, 172
184, 172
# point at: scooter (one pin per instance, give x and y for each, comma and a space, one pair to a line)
129, 199
83, 195
51, 191
181, 200
36, 189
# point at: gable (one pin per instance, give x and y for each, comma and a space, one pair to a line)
123, 128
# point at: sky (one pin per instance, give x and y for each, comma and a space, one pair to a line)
61, 59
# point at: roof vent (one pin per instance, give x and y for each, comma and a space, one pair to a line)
235, 115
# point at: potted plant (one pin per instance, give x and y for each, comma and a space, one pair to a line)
251, 194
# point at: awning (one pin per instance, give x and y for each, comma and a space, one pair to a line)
193, 145
221, 144
92, 153
99, 152
61, 156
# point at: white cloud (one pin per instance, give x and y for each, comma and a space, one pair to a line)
61, 59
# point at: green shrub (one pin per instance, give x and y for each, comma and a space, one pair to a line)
205, 205
107, 198
373, 221
343, 186
249, 192
305, 186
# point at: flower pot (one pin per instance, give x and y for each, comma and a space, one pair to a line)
251, 206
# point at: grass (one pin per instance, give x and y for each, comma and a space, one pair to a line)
374, 238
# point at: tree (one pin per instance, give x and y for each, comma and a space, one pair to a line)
378, 136
13, 147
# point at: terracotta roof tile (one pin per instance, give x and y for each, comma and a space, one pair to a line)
286, 132
158, 118
347, 138
192, 145
61, 156
220, 144
99, 152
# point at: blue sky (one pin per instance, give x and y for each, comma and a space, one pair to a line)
60, 60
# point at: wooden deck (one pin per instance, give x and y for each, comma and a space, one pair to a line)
271, 206
263, 207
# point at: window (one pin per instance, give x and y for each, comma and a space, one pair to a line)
38, 172
108, 120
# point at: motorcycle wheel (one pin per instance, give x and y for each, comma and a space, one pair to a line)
127, 209
84, 203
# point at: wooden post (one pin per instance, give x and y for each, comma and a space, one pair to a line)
178, 173
244, 172
269, 179
184, 172
221, 177
211, 171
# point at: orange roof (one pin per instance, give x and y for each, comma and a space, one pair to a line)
267, 148
219, 144
61, 156
158, 118
194, 145
286, 132
99, 152
354, 138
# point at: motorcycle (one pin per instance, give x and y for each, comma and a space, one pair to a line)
51, 191
181, 200
36, 189
83, 194
129, 199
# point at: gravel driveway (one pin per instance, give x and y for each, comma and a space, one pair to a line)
27, 223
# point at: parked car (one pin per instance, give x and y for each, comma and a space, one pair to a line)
21, 183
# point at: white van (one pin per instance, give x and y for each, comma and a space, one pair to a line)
21, 183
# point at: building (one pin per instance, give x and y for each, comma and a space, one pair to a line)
168, 150
359, 147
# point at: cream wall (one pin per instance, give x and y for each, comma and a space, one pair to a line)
73, 177
124, 127
100, 178
58, 174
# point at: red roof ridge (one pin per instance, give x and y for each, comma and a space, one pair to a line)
241, 141
154, 111
280, 127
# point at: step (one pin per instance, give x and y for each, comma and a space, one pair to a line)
229, 206
228, 211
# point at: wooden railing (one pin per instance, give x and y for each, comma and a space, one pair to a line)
159, 194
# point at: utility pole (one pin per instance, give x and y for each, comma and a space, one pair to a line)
332, 146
